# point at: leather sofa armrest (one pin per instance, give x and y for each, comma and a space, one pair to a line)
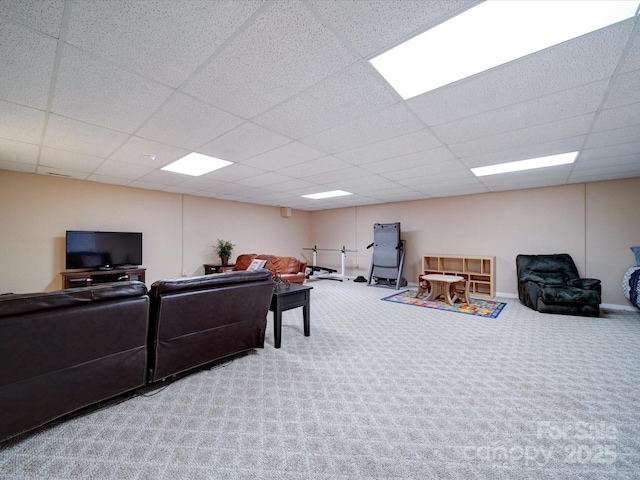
303, 267
585, 283
532, 278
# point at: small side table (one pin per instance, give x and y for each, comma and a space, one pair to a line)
285, 299
209, 269
442, 285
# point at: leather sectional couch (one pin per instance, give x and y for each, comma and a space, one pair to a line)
290, 268
65, 350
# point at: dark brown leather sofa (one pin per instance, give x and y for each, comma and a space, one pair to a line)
197, 320
69, 349
290, 268
64, 350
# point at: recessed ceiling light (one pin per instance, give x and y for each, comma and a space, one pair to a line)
196, 164
541, 162
332, 193
491, 34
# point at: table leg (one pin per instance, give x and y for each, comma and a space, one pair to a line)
277, 326
435, 291
448, 289
306, 313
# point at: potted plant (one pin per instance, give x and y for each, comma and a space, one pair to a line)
224, 249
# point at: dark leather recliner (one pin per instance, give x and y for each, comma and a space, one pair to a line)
197, 320
551, 284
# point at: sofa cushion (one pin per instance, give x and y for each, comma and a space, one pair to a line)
281, 265
243, 261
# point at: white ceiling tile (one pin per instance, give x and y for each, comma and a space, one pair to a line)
314, 167
625, 90
27, 60
620, 117
419, 161
343, 97
575, 102
19, 123
587, 59
61, 159
469, 187
61, 172
97, 92
432, 174
625, 166
200, 183
74, 136
338, 177
245, 141
45, 17
561, 129
393, 147
393, 20
161, 39
109, 180
285, 156
265, 179
20, 152
632, 60
186, 122
163, 177
135, 149
17, 166
296, 186
617, 150
385, 124
234, 173
362, 182
114, 169
613, 137
284, 51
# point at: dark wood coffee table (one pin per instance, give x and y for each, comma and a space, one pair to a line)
285, 299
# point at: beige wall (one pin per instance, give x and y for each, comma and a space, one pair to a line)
178, 230
596, 223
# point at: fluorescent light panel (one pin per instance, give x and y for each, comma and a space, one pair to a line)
491, 34
196, 164
541, 162
332, 193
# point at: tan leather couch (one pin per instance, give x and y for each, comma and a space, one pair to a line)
290, 268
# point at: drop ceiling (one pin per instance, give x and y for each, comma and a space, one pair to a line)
90, 89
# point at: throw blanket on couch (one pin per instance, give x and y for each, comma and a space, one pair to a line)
631, 285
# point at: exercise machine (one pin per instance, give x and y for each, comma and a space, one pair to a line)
387, 260
326, 272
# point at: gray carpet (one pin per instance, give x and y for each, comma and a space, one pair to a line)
379, 391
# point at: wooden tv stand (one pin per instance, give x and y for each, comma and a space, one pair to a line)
94, 277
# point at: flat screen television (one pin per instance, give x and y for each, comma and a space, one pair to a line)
103, 250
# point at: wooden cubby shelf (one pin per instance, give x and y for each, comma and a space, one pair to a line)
480, 271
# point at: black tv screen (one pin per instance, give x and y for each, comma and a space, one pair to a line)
103, 249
